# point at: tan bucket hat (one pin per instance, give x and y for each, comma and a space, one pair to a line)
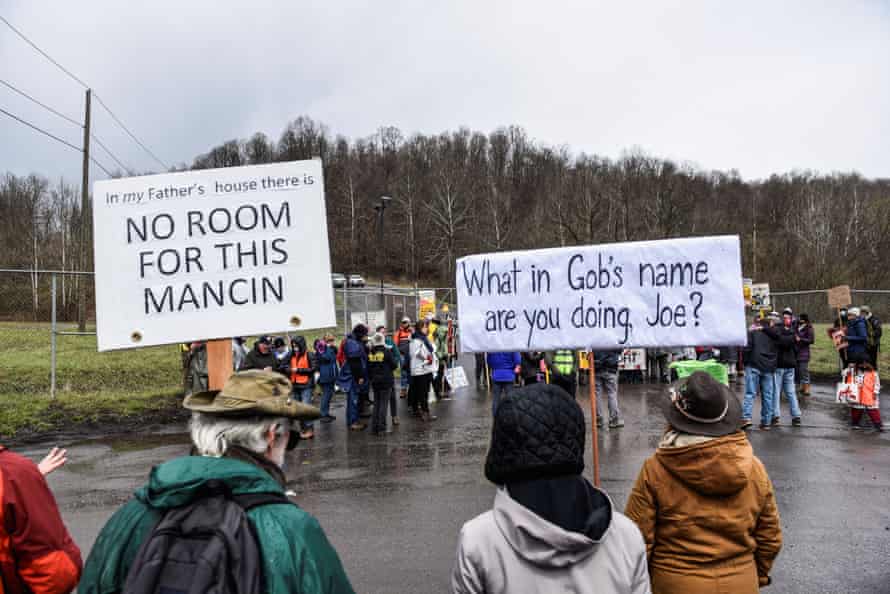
253, 393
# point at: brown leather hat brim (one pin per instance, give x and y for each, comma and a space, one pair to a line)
730, 423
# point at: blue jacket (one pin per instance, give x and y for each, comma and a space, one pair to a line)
503, 366
327, 366
857, 336
356, 358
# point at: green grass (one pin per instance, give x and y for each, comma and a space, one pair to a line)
824, 360
91, 387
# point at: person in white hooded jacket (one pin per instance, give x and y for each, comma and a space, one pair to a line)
549, 530
423, 367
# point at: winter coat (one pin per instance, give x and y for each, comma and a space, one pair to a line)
297, 555
606, 360
257, 360
397, 355
857, 336
511, 549
381, 364
423, 359
327, 366
356, 366
708, 515
786, 348
198, 367
441, 341
806, 337
761, 351
503, 366
531, 365
36, 551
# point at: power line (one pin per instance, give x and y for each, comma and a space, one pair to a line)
43, 105
43, 53
56, 138
41, 130
67, 119
127, 130
86, 86
110, 154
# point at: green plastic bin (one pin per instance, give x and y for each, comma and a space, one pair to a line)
712, 367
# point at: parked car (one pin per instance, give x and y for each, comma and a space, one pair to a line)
338, 280
356, 281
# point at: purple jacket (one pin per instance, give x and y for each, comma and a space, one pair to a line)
806, 336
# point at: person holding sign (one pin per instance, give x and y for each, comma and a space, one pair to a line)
863, 375
704, 502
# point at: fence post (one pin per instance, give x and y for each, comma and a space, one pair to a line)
345, 310
52, 348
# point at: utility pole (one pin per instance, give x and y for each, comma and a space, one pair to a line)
84, 221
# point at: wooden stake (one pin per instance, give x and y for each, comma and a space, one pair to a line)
593, 430
219, 362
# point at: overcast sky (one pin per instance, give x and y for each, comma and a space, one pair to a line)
757, 86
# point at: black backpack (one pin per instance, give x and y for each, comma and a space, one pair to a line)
206, 547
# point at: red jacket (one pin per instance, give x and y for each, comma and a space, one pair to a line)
36, 552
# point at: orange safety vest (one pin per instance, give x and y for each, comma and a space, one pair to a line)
301, 362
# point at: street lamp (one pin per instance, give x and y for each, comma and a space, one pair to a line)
381, 209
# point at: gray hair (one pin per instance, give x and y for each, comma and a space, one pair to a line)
212, 435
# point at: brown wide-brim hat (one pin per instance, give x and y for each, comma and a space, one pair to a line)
253, 393
701, 405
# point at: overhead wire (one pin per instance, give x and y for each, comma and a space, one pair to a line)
86, 86
69, 120
54, 137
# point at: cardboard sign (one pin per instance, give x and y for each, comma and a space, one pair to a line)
839, 296
211, 254
632, 360
760, 298
457, 377
614, 296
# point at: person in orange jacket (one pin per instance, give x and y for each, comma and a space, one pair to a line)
36, 552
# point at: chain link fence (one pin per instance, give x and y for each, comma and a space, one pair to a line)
42, 345
815, 303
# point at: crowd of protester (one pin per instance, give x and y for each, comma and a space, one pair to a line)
224, 513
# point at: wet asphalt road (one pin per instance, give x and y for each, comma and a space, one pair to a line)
393, 506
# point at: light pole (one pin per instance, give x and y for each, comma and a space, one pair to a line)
381, 209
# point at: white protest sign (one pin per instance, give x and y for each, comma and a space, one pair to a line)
210, 254
456, 377
614, 296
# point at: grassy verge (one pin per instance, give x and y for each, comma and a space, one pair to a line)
824, 361
118, 388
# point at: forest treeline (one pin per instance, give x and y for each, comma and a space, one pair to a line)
465, 192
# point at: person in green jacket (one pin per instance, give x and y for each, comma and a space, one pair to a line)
240, 436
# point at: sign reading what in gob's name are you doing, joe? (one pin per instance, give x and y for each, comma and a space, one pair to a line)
208, 254
642, 294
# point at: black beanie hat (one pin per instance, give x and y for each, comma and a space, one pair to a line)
538, 432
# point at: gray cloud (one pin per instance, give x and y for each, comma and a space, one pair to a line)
760, 87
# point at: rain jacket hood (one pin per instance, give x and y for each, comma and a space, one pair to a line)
564, 531
713, 467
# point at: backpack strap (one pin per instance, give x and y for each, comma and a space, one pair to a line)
248, 501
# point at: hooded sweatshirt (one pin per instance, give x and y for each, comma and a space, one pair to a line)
588, 547
707, 511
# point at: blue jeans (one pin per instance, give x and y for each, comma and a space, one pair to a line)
406, 377
754, 379
303, 394
501, 389
327, 392
785, 383
352, 404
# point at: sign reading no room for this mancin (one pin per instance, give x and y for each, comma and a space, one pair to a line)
211, 254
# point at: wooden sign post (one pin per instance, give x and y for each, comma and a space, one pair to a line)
219, 362
593, 429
